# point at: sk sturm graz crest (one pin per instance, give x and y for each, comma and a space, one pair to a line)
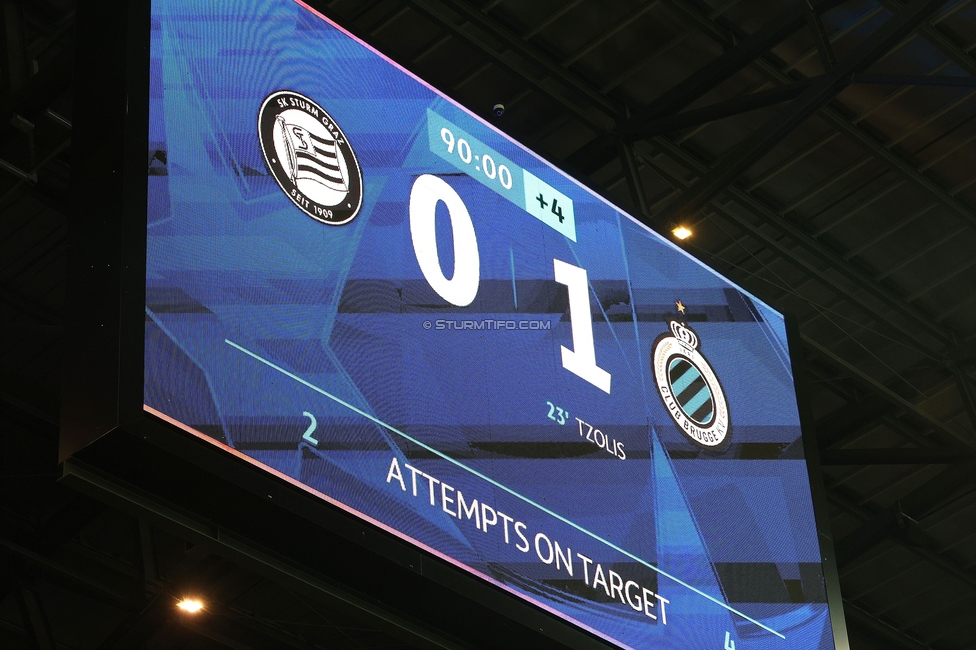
309, 156
691, 392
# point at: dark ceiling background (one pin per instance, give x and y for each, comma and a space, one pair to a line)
824, 154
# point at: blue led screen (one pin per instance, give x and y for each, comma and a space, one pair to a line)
369, 291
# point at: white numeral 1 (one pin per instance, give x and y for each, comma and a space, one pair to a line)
581, 360
462, 287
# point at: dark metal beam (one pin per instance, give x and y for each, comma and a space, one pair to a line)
38, 92
526, 51
34, 616
861, 410
965, 388
905, 431
866, 537
14, 55
890, 456
149, 565
550, 19
890, 634
631, 172
726, 65
905, 167
863, 413
57, 573
694, 17
363, 7
221, 637
913, 507
29, 308
734, 163
964, 352
826, 52
943, 434
639, 130
58, 203
26, 415
605, 34
230, 625
440, 16
910, 535
915, 80
140, 626
940, 39
836, 427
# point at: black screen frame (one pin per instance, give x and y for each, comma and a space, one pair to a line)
113, 449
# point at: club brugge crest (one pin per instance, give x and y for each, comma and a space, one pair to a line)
310, 157
690, 390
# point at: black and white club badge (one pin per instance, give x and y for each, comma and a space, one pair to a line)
691, 392
310, 158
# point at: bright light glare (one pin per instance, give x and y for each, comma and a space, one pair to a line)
190, 605
681, 232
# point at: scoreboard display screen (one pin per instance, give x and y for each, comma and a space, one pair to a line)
366, 290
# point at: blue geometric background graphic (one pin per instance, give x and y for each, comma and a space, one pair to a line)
324, 354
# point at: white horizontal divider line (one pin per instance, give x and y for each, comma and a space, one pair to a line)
500, 486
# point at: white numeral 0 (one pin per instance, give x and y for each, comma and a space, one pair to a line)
462, 287
581, 361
